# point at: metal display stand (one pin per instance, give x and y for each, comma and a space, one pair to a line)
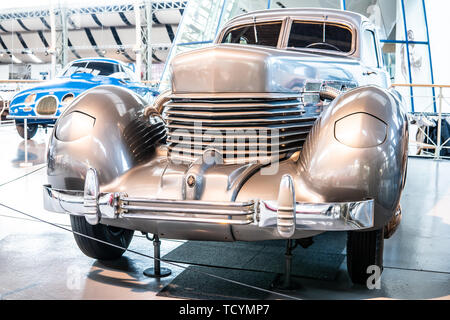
156, 271
285, 282
25, 127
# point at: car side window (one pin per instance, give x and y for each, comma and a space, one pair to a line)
130, 74
77, 67
369, 49
98, 68
322, 36
262, 34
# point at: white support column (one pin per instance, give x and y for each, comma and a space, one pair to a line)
62, 59
53, 44
138, 45
437, 151
149, 51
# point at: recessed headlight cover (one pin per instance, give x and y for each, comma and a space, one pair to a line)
74, 126
360, 130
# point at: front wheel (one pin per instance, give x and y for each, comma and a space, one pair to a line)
364, 249
98, 250
31, 128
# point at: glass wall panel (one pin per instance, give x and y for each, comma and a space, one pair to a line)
420, 74
389, 58
415, 20
332, 4
385, 14
395, 57
235, 8
199, 21
197, 29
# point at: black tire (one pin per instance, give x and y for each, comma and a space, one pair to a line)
364, 248
97, 250
4, 114
32, 129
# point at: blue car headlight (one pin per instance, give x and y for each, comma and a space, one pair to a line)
74, 126
67, 99
360, 130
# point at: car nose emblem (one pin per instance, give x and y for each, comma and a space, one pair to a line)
190, 181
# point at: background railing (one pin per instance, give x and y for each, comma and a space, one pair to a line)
430, 119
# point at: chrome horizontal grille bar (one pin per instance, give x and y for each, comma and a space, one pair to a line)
216, 121
214, 134
186, 210
248, 220
224, 204
241, 142
238, 153
234, 213
248, 129
233, 114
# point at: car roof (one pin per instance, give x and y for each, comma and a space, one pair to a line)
332, 14
110, 60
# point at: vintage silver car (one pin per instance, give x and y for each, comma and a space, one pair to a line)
284, 128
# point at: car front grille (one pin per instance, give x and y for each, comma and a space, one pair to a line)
142, 137
47, 106
242, 130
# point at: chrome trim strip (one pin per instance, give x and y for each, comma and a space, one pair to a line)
186, 219
31, 117
218, 134
225, 144
208, 211
308, 123
190, 202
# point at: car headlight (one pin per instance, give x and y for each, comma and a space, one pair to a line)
360, 130
30, 98
67, 98
74, 126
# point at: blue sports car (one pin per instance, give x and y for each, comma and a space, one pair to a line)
43, 104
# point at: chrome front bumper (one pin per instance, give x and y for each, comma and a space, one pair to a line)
284, 214
12, 117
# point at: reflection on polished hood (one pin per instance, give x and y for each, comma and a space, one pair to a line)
242, 68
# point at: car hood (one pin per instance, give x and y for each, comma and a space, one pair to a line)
242, 68
76, 84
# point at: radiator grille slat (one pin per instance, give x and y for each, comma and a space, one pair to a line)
234, 114
242, 130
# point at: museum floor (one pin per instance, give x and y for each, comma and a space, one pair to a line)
41, 261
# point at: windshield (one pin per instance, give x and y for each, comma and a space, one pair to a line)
263, 34
129, 75
77, 67
320, 35
102, 68
96, 68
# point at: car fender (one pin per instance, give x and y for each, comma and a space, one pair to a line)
333, 170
